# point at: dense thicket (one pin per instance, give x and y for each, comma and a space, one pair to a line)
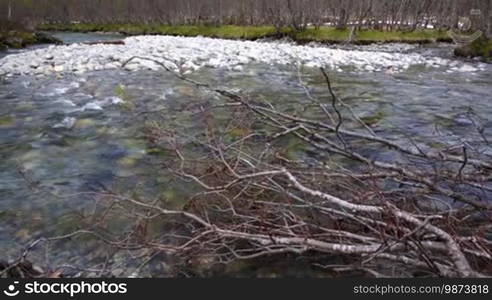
391, 14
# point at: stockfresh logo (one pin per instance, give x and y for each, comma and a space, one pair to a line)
12, 290
463, 37
65, 288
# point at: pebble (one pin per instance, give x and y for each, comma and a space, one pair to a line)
92, 106
58, 68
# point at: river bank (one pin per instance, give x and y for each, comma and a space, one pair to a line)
327, 35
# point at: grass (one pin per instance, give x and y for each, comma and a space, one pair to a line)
6, 121
418, 35
323, 34
226, 31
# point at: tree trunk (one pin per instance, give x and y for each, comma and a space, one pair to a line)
9, 12
342, 22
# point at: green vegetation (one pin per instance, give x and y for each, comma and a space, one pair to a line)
6, 121
323, 34
372, 120
330, 34
479, 48
16, 39
226, 32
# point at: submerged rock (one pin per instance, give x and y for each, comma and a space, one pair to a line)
92, 106
6, 121
84, 123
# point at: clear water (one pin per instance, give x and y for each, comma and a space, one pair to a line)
40, 164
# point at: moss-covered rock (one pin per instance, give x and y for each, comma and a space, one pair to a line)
479, 48
43, 38
19, 39
6, 121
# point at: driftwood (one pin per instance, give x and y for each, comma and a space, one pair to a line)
422, 213
115, 42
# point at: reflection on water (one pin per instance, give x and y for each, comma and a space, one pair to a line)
72, 134
74, 37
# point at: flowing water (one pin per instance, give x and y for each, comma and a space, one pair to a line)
63, 135
73, 37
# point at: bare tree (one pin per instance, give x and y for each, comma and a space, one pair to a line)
401, 14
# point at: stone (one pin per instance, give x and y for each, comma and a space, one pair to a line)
132, 67
58, 68
66, 123
92, 106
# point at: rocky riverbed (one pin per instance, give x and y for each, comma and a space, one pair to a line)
196, 53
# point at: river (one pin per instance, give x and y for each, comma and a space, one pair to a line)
71, 133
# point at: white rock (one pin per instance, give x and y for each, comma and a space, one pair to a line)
58, 68
66, 102
113, 100
132, 67
467, 68
92, 106
67, 123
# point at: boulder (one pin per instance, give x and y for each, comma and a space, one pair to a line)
43, 38
58, 68
481, 48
